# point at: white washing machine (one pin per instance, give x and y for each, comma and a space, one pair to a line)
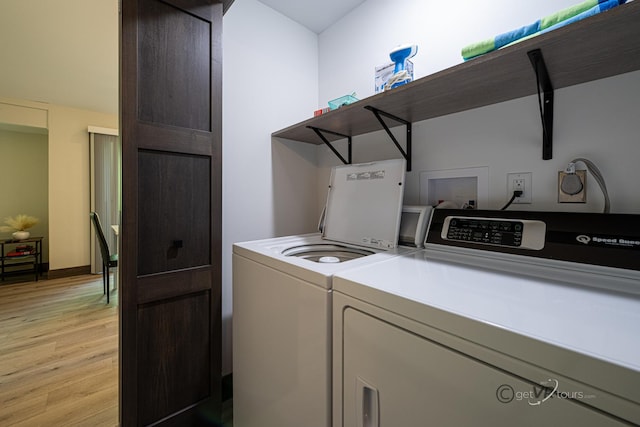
282, 298
506, 318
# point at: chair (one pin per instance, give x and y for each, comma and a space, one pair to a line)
108, 260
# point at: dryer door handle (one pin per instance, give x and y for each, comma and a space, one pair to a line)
367, 407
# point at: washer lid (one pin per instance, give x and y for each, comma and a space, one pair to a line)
364, 204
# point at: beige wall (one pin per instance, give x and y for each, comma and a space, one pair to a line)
69, 193
24, 179
68, 176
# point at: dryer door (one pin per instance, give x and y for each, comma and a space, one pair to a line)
394, 377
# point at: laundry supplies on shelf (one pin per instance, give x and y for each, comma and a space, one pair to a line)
549, 23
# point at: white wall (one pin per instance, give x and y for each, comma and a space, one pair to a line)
596, 120
352, 48
270, 81
276, 73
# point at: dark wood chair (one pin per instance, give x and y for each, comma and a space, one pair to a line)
108, 260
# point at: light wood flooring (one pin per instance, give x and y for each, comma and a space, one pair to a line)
58, 353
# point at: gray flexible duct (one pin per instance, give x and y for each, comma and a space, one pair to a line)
599, 179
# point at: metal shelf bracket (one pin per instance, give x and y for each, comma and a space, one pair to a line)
546, 105
379, 113
324, 139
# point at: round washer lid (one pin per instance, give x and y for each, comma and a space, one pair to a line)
364, 204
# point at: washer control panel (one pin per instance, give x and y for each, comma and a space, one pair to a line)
588, 239
526, 234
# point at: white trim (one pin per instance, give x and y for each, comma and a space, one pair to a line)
103, 131
92, 201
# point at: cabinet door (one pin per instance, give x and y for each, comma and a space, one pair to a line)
393, 377
171, 232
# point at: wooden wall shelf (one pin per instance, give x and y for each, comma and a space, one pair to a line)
601, 46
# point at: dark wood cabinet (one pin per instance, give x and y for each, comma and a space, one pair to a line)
171, 232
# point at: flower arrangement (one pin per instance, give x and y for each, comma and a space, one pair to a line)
19, 223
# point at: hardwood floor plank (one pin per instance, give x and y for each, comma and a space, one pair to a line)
58, 353
13, 358
45, 384
69, 359
25, 407
97, 382
104, 418
73, 412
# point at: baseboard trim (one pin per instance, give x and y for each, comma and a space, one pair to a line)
68, 272
227, 387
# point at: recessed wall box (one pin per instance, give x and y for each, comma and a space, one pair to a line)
455, 185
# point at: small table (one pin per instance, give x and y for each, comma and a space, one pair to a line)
32, 258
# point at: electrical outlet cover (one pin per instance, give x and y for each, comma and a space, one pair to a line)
516, 181
580, 197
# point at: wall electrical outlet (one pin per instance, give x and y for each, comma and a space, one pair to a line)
575, 186
520, 181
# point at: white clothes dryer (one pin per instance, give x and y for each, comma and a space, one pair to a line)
282, 292
506, 318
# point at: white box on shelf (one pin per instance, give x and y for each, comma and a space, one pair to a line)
383, 72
